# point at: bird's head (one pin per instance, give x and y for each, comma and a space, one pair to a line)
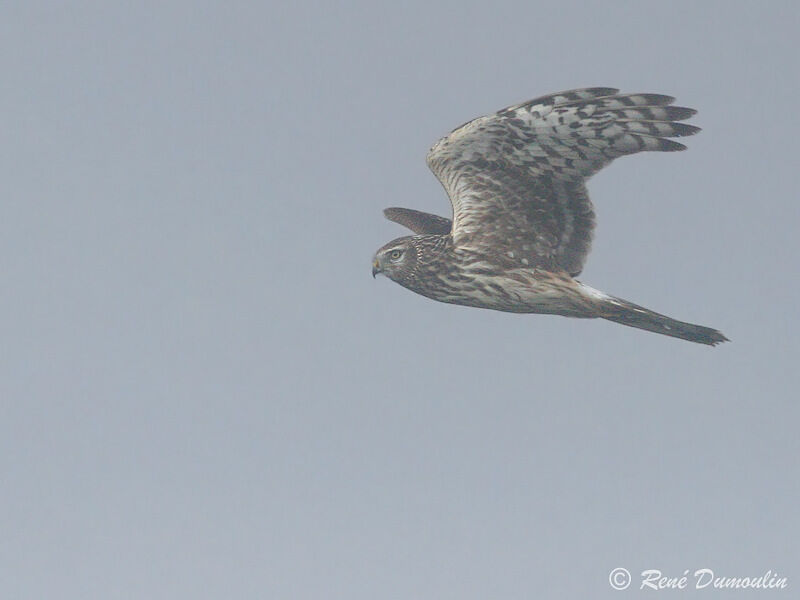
397, 260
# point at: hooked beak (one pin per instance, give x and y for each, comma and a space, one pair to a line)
376, 267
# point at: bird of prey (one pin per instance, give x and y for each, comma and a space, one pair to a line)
522, 219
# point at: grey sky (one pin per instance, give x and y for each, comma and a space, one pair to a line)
206, 395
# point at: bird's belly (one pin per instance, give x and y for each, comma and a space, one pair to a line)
518, 293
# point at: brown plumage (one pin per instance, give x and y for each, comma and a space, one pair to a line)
522, 219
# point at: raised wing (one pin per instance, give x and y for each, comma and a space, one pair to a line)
419, 222
516, 178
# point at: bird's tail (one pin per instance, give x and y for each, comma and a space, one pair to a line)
633, 315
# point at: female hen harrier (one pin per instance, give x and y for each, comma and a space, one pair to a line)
522, 219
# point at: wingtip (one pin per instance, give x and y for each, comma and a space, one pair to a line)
671, 146
656, 99
684, 129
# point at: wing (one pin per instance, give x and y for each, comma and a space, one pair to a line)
516, 178
419, 222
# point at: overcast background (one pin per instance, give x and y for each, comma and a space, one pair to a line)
206, 395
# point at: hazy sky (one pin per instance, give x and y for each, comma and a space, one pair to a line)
206, 395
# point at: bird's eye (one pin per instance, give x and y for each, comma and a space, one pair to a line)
396, 254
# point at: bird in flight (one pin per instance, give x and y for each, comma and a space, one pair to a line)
522, 219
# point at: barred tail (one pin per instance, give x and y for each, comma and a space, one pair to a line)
632, 315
